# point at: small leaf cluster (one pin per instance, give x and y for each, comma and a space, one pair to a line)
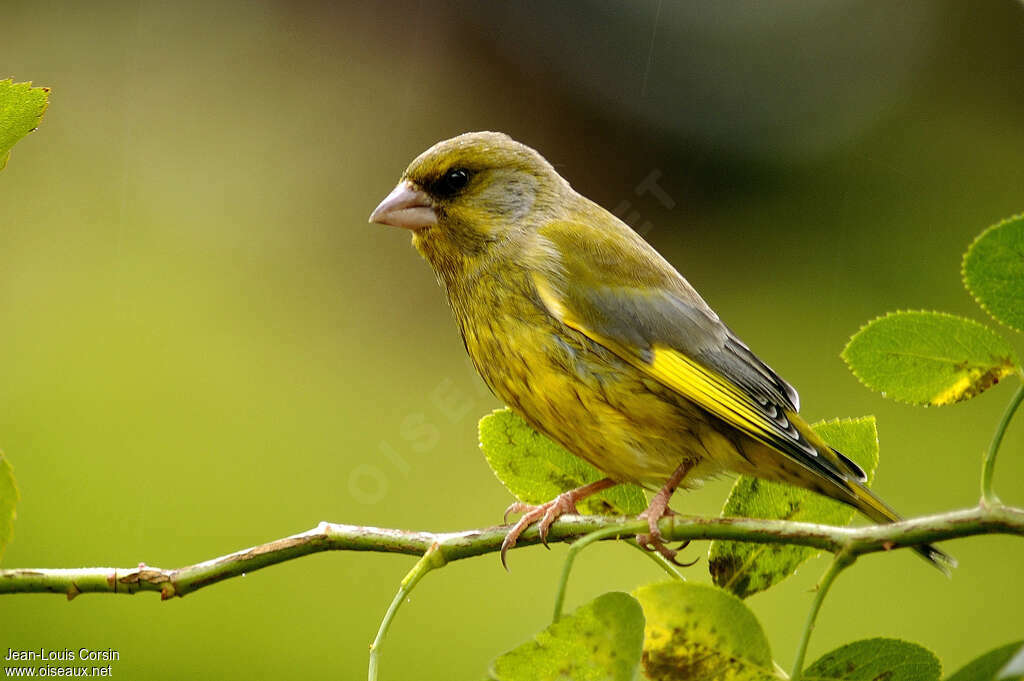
676, 631
935, 358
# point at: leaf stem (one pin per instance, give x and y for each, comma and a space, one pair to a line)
574, 549
843, 560
430, 560
988, 497
585, 541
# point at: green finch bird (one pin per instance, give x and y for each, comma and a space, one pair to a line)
582, 328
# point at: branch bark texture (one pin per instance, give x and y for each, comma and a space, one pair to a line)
450, 546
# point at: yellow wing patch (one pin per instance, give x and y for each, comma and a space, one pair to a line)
675, 370
707, 389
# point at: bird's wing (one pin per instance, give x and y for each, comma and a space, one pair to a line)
615, 289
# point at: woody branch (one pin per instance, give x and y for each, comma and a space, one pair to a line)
450, 546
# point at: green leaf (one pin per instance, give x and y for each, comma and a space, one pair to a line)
695, 631
21, 108
745, 568
928, 357
877, 659
994, 271
992, 665
535, 469
601, 640
8, 502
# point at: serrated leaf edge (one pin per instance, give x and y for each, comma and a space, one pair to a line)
5, 157
896, 313
963, 270
29, 86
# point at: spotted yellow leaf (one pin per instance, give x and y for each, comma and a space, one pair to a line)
929, 357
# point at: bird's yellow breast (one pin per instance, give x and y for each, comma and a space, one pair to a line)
586, 398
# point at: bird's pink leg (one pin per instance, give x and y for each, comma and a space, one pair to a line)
658, 509
548, 513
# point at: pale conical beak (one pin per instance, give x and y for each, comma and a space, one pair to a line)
406, 206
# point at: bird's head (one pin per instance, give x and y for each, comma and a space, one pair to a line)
462, 196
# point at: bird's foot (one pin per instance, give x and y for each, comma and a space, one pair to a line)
658, 509
547, 513
654, 541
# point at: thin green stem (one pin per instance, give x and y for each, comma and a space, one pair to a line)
431, 560
988, 497
585, 541
574, 549
843, 560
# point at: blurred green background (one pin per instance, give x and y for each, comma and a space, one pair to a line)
204, 345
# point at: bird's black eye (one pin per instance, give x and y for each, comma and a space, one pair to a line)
452, 182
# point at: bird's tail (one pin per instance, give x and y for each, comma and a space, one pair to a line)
865, 501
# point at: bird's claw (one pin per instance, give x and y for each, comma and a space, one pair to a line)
654, 541
546, 514
514, 507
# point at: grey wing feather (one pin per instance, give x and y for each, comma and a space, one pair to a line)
645, 318
641, 319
